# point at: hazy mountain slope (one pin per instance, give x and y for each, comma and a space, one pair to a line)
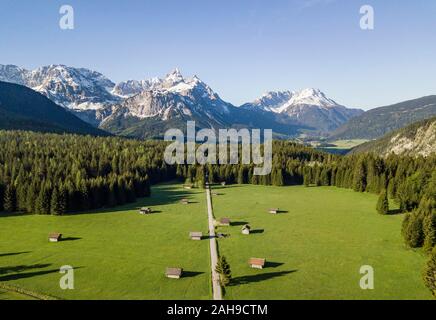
380, 121
24, 109
416, 139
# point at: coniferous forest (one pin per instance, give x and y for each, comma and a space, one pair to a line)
64, 174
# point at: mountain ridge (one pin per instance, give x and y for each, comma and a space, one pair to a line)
22, 108
416, 139
99, 101
377, 122
309, 106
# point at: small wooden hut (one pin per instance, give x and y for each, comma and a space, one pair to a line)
196, 235
224, 222
174, 273
145, 210
256, 263
54, 237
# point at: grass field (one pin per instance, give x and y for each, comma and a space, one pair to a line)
317, 247
117, 254
7, 295
348, 144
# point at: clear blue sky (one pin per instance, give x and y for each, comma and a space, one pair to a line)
241, 48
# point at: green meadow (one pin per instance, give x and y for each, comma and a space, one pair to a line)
117, 254
316, 247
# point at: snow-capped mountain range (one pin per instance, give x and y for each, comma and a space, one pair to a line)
72, 88
101, 102
308, 106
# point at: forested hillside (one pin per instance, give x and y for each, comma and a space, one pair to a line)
377, 122
22, 108
416, 139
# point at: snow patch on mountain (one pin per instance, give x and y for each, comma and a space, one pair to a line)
72, 88
309, 106
173, 96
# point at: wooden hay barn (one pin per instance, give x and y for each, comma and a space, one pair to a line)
246, 229
54, 237
195, 235
174, 273
256, 263
224, 222
145, 210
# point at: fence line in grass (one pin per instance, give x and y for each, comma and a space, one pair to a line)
26, 292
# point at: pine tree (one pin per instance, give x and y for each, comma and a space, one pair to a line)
223, 269
42, 205
2, 196
130, 192
277, 179
324, 178
359, 177
31, 198
430, 273
383, 203
10, 199
200, 177
112, 198
147, 187
58, 204
306, 178
412, 230
241, 175
429, 228
84, 196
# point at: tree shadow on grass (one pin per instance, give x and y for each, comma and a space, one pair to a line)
238, 223
161, 195
13, 253
191, 274
5, 214
20, 275
259, 277
257, 231
21, 268
394, 212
